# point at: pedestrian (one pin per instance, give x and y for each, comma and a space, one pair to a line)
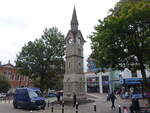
108, 97
112, 99
135, 108
58, 96
74, 99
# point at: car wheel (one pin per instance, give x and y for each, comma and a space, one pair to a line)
28, 107
43, 108
15, 105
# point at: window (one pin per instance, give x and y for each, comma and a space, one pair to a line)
33, 94
12, 77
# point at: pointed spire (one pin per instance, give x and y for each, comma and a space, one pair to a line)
74, 21
74, 17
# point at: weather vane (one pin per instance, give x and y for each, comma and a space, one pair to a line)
75, 1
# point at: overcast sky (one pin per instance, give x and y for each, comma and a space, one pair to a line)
24, 20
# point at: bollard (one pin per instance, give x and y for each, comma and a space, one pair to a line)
119, 109
63, 107
52, 107
77, 107
94, 107
146, 111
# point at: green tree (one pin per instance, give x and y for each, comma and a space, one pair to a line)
122, 39
42, 60
4, 83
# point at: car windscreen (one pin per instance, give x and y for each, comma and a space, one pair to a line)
33, 94
39, 93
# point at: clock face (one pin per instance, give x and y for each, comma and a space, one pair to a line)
78, 40
71, 40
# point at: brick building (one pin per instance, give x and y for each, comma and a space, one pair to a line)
12, 73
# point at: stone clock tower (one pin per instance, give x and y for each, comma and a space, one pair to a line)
74, 82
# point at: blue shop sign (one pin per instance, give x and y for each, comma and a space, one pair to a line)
131, 81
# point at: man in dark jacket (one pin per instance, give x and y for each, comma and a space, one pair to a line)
58, 96
135, 106
112, 98
74, 99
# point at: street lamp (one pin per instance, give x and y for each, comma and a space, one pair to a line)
110, 80
142, 88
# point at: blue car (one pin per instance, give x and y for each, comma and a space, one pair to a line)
137, 96
52, 95
28, 98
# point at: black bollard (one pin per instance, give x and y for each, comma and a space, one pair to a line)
119, 109
63, 107
94, 107
77, 107
52, 107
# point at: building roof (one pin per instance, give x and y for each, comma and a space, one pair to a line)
8, 65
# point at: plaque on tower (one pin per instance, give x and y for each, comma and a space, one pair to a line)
74, 81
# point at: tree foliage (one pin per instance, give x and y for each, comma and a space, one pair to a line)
122, 39
42, 60
4, 83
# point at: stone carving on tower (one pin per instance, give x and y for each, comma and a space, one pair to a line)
74, 81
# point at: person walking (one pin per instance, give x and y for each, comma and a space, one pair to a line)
108, 97
135, 107
58, 96
112, 99
74, 99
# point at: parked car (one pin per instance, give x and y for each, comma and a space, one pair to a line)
125, 96
28, 98
137, 95
2, 95
52, 94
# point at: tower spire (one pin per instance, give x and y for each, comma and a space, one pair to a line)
74, 21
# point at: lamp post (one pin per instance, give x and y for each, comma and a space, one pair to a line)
110, 80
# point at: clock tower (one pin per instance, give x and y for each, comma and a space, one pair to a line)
74, 82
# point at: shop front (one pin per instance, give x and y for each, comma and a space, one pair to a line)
132, 87
93, 84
